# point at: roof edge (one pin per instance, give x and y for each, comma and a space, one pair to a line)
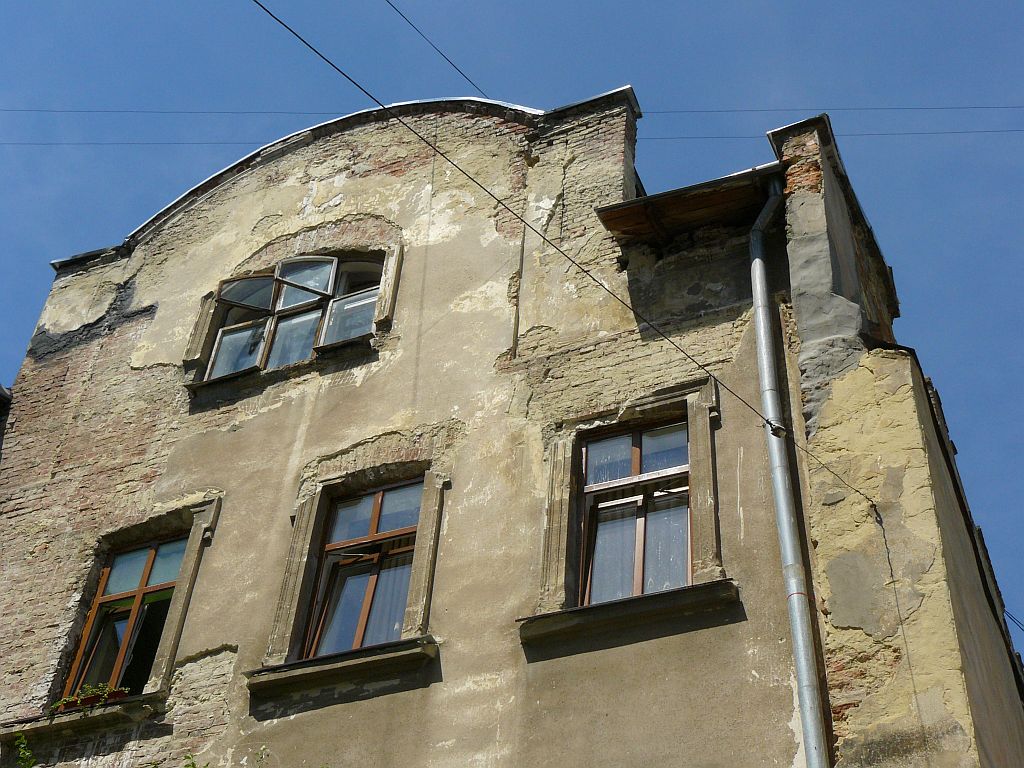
738, 176
822, 125
306, 136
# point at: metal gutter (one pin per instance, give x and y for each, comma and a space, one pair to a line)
794, 573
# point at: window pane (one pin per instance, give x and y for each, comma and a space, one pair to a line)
663, 448
167, 562
139, 659
389, 597
252, 291
239, 315
350, 317
292, 297
356, 276
102, 651
351, 519
126, 571
609, 459
614, 547
400, 508
293, 339
312, 274
238, 349
665, 551
346, 602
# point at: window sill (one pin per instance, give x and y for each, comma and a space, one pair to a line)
253, 378
128, 710
375, 662
627, 612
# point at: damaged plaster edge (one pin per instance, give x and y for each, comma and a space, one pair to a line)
205, 653
822, 126
310, 478
990, 585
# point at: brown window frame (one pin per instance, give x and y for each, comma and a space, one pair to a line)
638, 487
78, 669
381, 545
271, 317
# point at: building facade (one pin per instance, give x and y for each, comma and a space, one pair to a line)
335, 462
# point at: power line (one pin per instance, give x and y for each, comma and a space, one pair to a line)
442, 53
505, 206
160, 111
558, 249
845, 135
740, 110
1014, 619
287, 112
261, 142
131, 143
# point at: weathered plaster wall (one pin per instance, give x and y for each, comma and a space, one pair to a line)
899, 645
103, 432
840, 287
995, 699
894, 668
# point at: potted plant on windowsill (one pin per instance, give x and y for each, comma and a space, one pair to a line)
89, 696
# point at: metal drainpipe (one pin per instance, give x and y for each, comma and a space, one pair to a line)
808, 690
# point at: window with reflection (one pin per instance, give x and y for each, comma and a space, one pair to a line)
363, 586
636, 519
307, 303
127, 617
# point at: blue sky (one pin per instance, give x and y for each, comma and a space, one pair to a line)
945, 209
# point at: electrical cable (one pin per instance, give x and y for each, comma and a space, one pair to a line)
848, 135
823, 109
273, 112
261, 142
505, 206
442, 53
131, 143
1014, 619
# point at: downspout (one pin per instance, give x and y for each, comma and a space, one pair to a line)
794, 574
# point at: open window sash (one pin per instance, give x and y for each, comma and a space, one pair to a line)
238, 348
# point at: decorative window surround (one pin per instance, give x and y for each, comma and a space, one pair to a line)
697, 404
197, 520
293, 608
203, 339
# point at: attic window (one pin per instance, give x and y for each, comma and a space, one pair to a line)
308, 303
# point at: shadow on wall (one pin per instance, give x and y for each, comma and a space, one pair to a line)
689, 278
90, 747
311, 699
652, 629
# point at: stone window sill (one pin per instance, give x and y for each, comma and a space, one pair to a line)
128, 710
376, 662
628, 612
254, 377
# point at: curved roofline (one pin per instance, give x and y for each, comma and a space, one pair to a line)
306, 136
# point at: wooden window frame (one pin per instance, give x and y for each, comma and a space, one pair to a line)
299, 604
273, 315
333, 558
78, 670
697, 403
195, 522
641, 488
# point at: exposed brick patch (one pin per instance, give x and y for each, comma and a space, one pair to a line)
803, 163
